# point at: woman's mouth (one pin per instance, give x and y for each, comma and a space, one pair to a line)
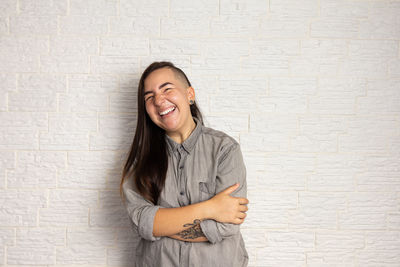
167, 112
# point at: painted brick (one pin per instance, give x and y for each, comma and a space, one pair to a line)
72, 122
63, 217
19, 55
93, 7
334, 8
43, 82
185, 27
95, 84
182, 61
199, 8
18, 139
283, 27
74, 45
373, 49
43, 7
124, 46
367, 68
20, 207
80, 255
393, 220
330, 27
27, 254
339, 240
309, 90
109, 207
146, 8
8, 7
237, 25
249, 8
139, 25
272, 65
283, 8
335, 257
40, 25
175, 46
362, 220
64, 141
276, 257
114, 64
229, 125
4, 25
71, 198
7, 237
293, 241
89, 237
64, 64
394, 67
32, 101
312, 218
87, 25
36, 170
122, 102
112, 127
378, 181
382, 22
382, 97
259, 142
83, 102
372, 257
7, 161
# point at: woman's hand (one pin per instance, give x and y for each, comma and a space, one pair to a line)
227, 209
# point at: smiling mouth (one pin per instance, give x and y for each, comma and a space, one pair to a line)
167, 112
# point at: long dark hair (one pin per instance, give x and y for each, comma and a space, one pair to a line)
147, 162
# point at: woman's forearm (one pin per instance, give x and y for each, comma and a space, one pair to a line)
197, 239
173, 221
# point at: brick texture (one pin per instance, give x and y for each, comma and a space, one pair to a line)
310, 89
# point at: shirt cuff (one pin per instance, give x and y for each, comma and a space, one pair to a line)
146, 223
210, 230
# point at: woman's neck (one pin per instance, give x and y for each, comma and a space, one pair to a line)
181, 136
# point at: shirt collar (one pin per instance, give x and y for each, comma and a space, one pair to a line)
189, 143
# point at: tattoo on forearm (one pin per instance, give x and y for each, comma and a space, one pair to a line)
193, 232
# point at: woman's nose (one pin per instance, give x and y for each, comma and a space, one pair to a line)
158, 99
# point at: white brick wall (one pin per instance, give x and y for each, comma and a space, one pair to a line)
311, 90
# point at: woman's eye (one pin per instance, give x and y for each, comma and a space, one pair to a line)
167, 89
148, 98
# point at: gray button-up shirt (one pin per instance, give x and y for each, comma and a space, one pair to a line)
206, 163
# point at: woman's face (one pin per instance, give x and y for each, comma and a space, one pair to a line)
165, 93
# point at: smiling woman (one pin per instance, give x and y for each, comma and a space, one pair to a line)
183, 184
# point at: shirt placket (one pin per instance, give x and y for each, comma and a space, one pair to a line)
183, 200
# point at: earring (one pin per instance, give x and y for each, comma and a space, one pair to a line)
191, 102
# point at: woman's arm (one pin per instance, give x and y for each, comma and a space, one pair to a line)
192, 234
183, 223
231, 169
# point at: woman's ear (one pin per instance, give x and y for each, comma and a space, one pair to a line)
191, 93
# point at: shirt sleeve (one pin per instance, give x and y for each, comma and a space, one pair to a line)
231, 170
140, 211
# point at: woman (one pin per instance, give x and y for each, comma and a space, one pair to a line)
184, 184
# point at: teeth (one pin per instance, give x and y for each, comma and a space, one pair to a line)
167, 111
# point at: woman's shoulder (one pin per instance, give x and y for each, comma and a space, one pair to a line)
218, 137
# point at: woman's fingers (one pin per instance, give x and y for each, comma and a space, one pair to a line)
243, 208
230, 189
243, 201
240, 218
242, 215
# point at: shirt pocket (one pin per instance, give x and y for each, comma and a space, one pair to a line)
206, 190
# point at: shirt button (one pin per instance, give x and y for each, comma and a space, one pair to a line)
181, 167
182, 193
